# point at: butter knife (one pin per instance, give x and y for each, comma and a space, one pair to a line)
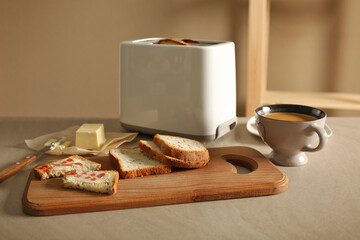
14, 168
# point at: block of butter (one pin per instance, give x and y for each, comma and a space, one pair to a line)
90, 136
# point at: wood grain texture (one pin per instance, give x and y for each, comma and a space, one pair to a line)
258, 42
15, 167
326, 100
217, 180
257, 92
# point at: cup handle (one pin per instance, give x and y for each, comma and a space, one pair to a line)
329, 131
321, 132
261, 130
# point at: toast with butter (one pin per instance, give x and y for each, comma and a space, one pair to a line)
92, 181
60, 167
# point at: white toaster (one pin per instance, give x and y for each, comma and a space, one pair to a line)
180, 90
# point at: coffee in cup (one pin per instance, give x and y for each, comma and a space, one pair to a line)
290, 116
290, 130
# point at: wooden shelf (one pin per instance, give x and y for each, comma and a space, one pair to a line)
257, 93
326, 100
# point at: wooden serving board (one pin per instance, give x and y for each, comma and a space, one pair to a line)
218, 180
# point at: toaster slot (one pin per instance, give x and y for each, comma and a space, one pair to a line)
154, 41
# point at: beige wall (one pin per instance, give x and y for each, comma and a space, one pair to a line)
60, 58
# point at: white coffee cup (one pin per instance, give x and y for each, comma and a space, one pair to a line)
289, 139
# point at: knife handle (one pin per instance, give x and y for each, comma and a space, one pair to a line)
14, 168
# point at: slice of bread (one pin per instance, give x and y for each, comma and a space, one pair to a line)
185, 149
61, 167
132, 162
170, 41
92, 181
190, 41
153, 150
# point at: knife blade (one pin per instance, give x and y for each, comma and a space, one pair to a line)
15, 167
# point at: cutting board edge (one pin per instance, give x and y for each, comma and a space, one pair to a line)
268, 188
48, 210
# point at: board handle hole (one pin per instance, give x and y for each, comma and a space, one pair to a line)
243, 165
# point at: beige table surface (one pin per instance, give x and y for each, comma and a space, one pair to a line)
322, 201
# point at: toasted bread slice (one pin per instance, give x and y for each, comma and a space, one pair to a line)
185, 149
152, 150
170, 41
190, 41
61, 167
133, 162
92, 181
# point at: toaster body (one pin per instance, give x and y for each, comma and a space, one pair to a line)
187, 91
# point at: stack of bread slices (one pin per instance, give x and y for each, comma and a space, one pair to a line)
159, 155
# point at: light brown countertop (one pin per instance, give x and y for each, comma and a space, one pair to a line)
322, 201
